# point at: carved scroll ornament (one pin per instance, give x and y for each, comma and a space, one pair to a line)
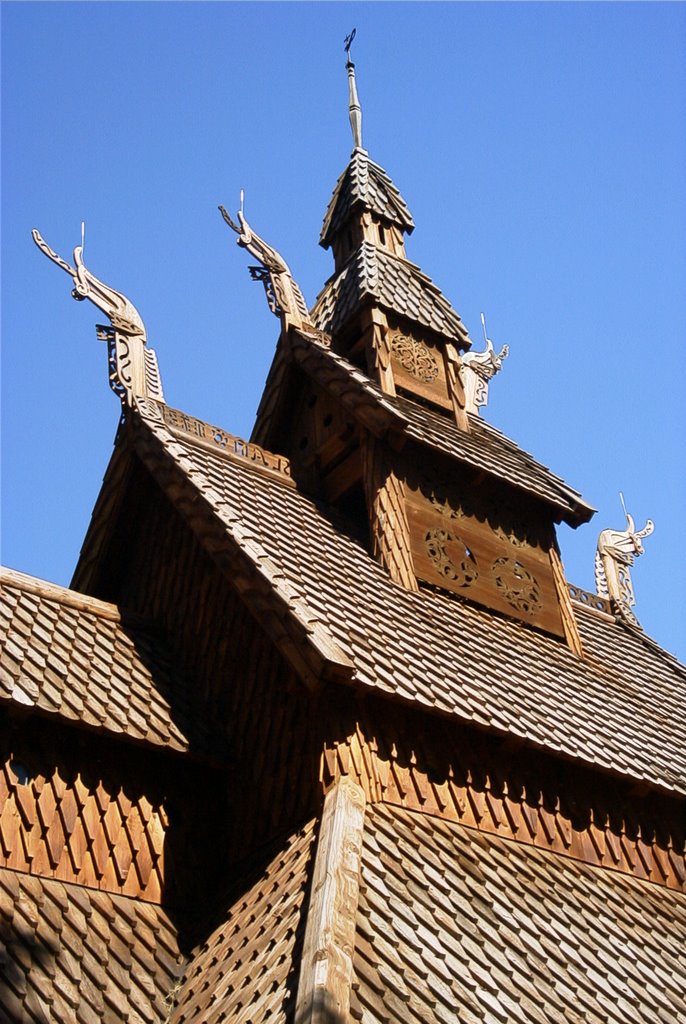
415, 357
614, 556
283, 294
133, 369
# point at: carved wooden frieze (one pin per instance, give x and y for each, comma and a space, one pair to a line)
223, 442
480, 545
418, 367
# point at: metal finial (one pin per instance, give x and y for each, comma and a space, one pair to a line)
354, 108
349, 42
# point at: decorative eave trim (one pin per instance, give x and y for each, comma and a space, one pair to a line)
326, 968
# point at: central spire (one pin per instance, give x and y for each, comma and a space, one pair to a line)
354, 108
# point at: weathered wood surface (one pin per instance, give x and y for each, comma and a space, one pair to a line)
388, 523
326, 968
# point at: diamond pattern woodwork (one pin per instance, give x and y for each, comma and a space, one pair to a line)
461, 776
80, 827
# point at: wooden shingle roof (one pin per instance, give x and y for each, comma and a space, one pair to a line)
434, 650
73, 954
484, 447
246, 970
78, 658
398, 286
450, 917
366, 184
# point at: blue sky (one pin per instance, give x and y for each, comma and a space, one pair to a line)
540, 147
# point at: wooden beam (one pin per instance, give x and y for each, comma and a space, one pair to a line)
326, 970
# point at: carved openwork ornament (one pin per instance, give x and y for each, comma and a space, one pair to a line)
517, 585
415, 357
614, 556
451, 557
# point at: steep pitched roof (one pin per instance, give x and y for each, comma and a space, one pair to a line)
76, 657
483, 448
77, 954
433, 649
397, 285
364, 183
450, 917
246, 970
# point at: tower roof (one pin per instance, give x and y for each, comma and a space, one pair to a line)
397, 285
364, 184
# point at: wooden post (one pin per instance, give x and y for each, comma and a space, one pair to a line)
456, 387
379, 350
326, 969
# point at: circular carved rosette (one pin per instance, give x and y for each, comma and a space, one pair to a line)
415, 357
519, 588
451, 558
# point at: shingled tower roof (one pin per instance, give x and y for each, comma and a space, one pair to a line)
321, 733
364, 184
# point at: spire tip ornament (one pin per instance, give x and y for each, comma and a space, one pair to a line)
354, 108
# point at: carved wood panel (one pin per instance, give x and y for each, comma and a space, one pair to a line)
477, 541
418, 367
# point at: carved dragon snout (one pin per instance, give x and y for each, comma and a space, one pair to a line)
133, 370
121, 312
283, 294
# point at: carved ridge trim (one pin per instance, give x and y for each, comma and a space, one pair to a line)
590, 600
223, 443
